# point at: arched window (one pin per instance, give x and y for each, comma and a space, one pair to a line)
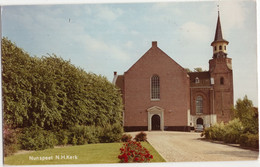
221, 81
155, 87
220, 47
199, 105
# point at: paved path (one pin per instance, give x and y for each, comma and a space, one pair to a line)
188, 146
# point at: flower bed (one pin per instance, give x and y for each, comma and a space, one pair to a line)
133, 151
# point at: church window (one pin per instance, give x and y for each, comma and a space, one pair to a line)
197, 80
199, 105
220, 47
225, 47
215, 48
155, 87
221, 81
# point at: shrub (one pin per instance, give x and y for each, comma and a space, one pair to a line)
141, 137
249, 140
35, 138
10, 141
134, 152
111, 133
74, 140
62, 137
126, 138
78, 135
215, 132
93, 134
233, 130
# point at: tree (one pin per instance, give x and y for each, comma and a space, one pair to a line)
198, 69
52, 94
247, 114
188, 70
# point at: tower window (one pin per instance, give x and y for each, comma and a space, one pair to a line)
225, 47
197, 80
199, 105
155, 87
215, 48
220, 47
221, 81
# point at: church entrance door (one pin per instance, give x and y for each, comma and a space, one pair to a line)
199, 121
156, 122
155, 118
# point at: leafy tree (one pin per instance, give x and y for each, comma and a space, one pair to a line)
16, 86
198, 69
247, 114
188, 70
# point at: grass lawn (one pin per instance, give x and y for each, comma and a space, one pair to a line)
85, 154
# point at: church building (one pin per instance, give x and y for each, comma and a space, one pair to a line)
159, 94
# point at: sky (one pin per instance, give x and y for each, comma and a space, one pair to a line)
107, 37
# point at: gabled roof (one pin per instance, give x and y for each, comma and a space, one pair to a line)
218, 33
156, 48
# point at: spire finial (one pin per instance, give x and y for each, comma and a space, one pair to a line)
218, 33
218, 6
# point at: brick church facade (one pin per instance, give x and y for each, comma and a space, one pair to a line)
159, 94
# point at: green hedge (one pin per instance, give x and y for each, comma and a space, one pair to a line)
55, 102
36, 138
52, 93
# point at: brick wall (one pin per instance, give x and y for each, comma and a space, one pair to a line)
174, 89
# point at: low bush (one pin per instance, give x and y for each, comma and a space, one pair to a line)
229, 133
62, 137
249, 140
78, 135
215, 132
126, 138
35, 138
133, 151
10, 141
111, 133
233, 130
141, 137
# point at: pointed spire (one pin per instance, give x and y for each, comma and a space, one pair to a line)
218, 33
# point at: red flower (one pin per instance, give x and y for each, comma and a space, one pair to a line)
134, 152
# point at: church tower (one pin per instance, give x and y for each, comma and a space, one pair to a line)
221, 76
